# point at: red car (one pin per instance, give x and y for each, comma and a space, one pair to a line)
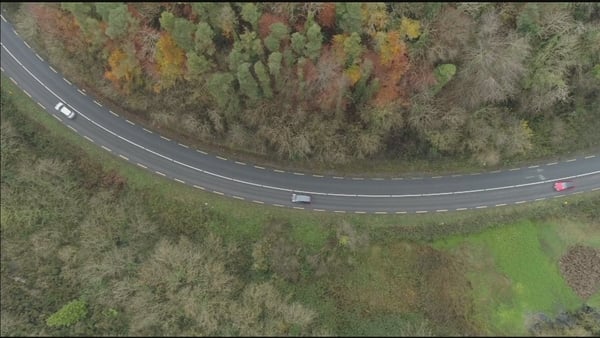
563, 185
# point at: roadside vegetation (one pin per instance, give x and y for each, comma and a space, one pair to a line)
92, 245
364, 88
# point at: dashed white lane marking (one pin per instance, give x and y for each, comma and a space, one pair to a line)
218, 192
146, 130
299, 208
39, 57
500, 205
381, 212
26, 44
79, 90
591, 156
416, 178
421, 211
221, 158
401, 212
552, 163
441, 210
473, 174
595, 189
338, 177
481, 207
340, 211
314, 175
89, 139
318, 209
495, 171
26, 93
107, 149
161, 174
178, 180
299, 174
360, 212
3, 19
52, 69
533, 166
279, 205
456, 175
97, 103
436, 177
13, 81
377, 179
56, 117
69, 82
558, 196
2, 69
115, 114
397, 178
39, 104
460, 209
123, 157
183, 145
73, 129
237, 197
278, 171
258, 167
259, 202
165, 138
513, 169
141, 165
357, 178
202, 152
133, 124
540, 199
17, 34
571, 160
520, 202
240, 163
198, 187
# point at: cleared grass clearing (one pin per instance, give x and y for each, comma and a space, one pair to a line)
515, 270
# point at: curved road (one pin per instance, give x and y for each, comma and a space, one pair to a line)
245, 181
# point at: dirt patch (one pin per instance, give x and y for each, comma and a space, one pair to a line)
580, 267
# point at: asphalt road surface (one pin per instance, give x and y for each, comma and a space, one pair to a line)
269, 186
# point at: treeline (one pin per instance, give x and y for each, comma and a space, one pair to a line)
340, 81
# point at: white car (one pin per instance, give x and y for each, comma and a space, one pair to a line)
297, 198
63, 109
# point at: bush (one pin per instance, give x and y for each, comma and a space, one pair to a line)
69, 314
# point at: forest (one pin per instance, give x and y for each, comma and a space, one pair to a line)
334, 83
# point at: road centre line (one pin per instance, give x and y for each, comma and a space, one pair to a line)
255, 184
